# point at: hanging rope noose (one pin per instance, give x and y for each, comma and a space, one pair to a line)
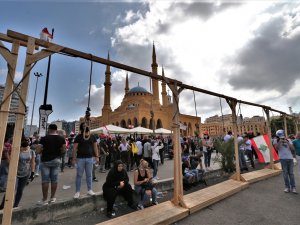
222, 114
195, 103
86, 135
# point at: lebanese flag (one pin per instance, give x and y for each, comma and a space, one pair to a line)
261, 147
45, 35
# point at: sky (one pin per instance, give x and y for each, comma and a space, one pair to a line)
248, 50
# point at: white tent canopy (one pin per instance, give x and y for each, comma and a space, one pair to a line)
141, 130
110, 129
163, 131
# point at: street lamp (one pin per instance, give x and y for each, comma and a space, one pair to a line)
38, 75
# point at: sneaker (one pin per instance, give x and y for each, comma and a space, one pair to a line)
52, 200
77, 194
140, 207
155, 203
286, 190
36, 175
91, 193
42, 202
294, 191
95, 179
111, 214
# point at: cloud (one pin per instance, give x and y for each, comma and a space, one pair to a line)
270, 60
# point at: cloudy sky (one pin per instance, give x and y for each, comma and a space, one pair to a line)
245, 49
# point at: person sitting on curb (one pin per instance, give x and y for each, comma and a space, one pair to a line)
117, 183
143, 185
190, 176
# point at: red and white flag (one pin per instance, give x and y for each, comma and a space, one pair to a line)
260, 144
45, 35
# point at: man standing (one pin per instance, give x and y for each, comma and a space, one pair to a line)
285, 149
51, 147
296, 144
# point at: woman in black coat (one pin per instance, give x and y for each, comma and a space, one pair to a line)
117, 183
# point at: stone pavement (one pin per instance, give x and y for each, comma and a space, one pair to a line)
66, 184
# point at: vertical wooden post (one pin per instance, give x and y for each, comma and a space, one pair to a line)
9, 86
270, 145
285, 125
178, 185
232, 103
20, 115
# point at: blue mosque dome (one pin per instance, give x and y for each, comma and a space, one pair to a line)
138, 89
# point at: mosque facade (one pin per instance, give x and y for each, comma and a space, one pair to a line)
142, 108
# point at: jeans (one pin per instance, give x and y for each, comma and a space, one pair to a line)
243, 164
155, 167
144, 198
207, 157
3, 174
84, 164
20, 185
50, 171
288, 172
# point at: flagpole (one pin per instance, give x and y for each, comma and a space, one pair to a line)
47, 77
45, 110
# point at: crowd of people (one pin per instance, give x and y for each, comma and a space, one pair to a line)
119, 155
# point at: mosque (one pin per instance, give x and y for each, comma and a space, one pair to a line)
142, 108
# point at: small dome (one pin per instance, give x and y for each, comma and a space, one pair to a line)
138, 89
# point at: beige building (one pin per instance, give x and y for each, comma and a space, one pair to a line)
218, 125
142, 108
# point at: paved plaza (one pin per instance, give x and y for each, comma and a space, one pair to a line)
66, 183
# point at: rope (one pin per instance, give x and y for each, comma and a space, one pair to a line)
195, 103
88, 109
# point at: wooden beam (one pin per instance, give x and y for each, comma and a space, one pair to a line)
13, 165
285, 125
9, 85
44, 53
232, 103
5, 38
75, 53
178, 185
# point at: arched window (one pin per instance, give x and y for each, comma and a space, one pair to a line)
151, 124
135, 122
129, 122
123, 124
117, 124
159, 124
144, 122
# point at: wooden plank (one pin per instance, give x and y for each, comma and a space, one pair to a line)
258, 175
163, 213
9, 86
11, 181
208, 196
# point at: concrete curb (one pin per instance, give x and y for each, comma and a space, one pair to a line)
74, 207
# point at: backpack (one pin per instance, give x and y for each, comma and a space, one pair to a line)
134, 148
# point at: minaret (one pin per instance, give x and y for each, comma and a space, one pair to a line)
107, 86
154, 81
164, 90
126, 84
